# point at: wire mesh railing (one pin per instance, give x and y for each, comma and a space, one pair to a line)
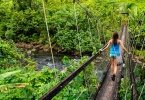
71, 79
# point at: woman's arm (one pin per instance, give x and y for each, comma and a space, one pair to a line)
120, 42
107, 46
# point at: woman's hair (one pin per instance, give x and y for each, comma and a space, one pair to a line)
115, 37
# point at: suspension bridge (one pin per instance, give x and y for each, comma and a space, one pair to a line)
107, 88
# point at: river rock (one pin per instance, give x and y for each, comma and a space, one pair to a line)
143, 67
33, 50
45, 50
29, 52
64, 70
29, 46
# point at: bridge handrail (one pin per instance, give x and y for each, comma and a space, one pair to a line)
55, 90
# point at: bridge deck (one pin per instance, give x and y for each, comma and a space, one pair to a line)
109, 89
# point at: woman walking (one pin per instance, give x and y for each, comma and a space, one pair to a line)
114, 44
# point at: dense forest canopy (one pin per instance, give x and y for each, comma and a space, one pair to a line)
72, 25
24, 21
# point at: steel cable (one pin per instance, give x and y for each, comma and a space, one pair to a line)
48, 33
75, 12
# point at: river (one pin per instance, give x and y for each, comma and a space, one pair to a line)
46, 60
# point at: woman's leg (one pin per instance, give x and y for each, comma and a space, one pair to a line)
112, 65
115, 67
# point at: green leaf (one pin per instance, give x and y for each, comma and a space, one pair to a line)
3, 76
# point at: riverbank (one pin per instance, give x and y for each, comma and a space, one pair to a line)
35, 47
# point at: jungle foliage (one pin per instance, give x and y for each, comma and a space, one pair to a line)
26, 83
24, 21
86, 25
87, 21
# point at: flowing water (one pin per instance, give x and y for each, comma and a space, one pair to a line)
46, 60
101, 64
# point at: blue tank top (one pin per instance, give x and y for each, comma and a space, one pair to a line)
115, 49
